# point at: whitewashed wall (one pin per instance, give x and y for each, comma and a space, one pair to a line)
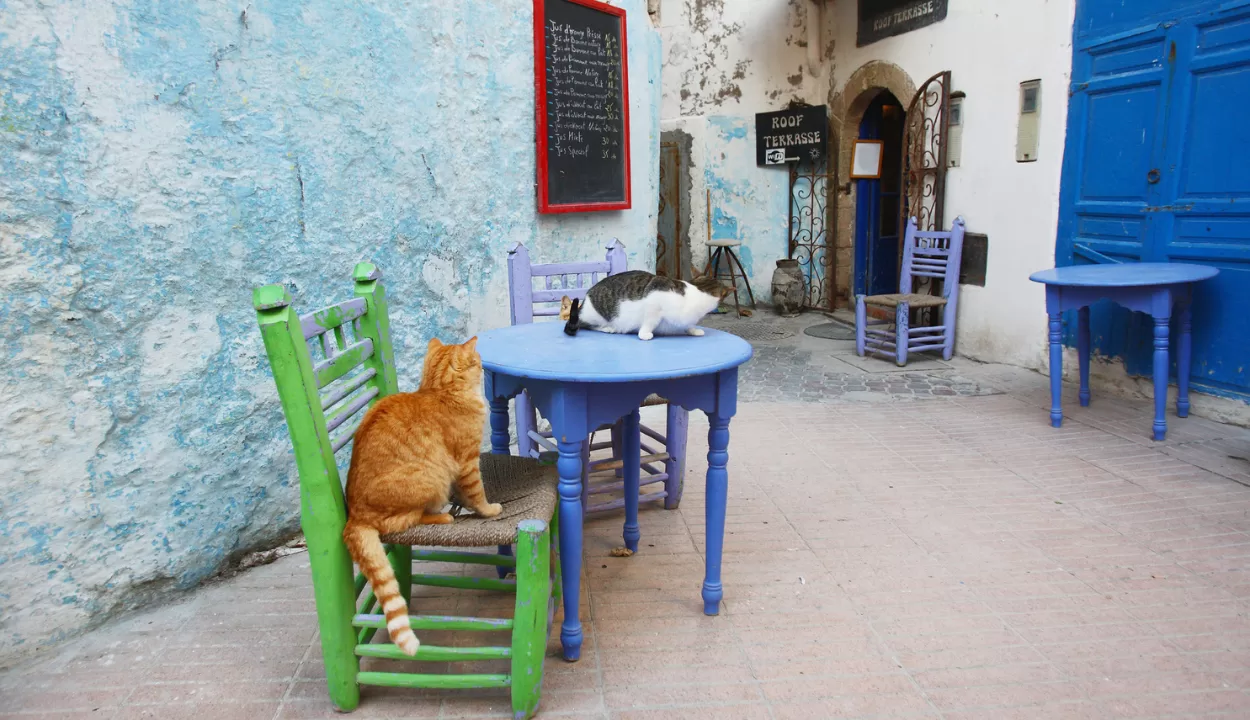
990, 48
723, 62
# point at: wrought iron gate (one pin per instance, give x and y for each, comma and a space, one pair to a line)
809, 232
924, 168
924, 154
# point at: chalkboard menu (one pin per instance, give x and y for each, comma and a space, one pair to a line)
582, 89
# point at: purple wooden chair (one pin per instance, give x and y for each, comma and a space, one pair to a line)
930, 254
601, 477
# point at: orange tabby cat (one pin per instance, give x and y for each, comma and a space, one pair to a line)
409, 451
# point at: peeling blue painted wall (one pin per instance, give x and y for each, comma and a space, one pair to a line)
749, 203
160, 159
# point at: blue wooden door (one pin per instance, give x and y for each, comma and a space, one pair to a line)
1157, 168
876, 202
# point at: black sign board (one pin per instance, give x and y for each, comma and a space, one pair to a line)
582, 95
791, 135
880, 19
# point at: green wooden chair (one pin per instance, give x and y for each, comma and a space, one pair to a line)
324, 401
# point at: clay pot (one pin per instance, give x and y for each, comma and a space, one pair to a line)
788, 293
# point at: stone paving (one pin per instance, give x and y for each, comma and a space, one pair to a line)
954, 557
801, 368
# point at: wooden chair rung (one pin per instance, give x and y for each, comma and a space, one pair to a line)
618, 464
620, 502
464, 583
472, 558
618, 486
436, 622
445, 682
434, 653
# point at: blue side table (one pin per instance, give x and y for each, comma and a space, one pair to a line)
1151, 288
579, 383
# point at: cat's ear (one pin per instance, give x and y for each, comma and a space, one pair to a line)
566, 307
471, 344
695, 274
725, 291
435, 344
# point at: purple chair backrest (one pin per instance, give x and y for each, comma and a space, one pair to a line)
934, 254
536, 290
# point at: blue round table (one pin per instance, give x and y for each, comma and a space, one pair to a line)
579, 383
1151, 288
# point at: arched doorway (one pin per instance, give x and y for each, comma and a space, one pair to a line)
877, 200
846, 112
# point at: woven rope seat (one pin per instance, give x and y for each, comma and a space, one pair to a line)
525, 488
653, 400
912, 300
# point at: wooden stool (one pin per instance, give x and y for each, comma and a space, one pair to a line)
726, 247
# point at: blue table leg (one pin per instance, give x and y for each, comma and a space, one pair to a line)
1184, 349
1056, 369
631, 454
714, 512
1161, 376
569, 466
499, 426
502, 570
1082, 350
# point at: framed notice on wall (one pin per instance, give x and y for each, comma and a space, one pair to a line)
866, 159
581, 81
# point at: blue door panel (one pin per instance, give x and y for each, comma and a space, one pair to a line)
1104, 16
1157, 169
1113, 168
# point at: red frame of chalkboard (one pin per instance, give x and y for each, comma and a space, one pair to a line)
540, 109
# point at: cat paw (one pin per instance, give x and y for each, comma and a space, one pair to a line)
645, 335
697, 332
490, 511
437, 519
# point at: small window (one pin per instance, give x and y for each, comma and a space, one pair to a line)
1028, 96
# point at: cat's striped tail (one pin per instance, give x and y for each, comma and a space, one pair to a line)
366, 549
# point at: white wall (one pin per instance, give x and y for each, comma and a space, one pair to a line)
723, 62
990, 48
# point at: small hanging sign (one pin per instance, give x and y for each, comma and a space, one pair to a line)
791, 135
880, 19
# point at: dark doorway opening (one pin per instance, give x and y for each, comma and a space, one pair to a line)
877, 240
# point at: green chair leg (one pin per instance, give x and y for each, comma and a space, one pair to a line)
529, 630
333, 581
401, 563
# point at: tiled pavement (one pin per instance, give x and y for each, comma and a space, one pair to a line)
953, 558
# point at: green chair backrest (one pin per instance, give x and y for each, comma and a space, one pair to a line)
324, 398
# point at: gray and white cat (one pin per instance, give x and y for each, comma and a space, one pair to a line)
637, 301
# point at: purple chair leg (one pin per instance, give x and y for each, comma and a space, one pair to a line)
524, 424
861, 325
675, 432
618, 445
902, 328
502, 571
